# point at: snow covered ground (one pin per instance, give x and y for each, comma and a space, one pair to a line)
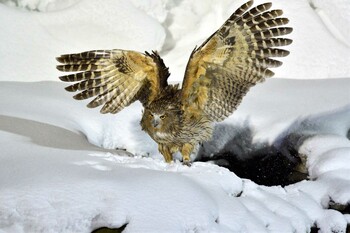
60, 172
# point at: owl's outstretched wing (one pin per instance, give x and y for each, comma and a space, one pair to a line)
235, 58
115, 77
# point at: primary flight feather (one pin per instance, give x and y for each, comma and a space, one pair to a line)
218, 75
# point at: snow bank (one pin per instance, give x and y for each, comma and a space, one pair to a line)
32, 40
53, 180
315, 52
172, 27
40, 5
259, 110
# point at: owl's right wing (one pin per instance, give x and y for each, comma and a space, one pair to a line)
115, 77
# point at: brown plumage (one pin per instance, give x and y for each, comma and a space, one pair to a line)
218, 75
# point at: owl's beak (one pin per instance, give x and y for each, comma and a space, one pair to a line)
155, 123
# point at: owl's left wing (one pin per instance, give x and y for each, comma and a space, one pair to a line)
235, 58
116, 78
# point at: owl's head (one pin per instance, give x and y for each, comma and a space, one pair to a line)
161, 117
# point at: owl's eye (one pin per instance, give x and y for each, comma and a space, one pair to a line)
150, 114
162, 117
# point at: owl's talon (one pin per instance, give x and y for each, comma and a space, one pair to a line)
187, 163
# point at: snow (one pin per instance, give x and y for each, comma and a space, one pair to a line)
60, 170
172, 27
57, 176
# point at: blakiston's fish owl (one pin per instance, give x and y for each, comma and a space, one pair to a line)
218, 74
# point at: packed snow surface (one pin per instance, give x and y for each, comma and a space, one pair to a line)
59, 167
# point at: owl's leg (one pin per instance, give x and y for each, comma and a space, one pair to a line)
186, 151
165, 151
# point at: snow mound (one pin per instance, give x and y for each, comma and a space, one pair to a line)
53, 180
86, 25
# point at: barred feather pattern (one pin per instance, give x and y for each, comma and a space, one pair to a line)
116, 78
236, 57
218, 75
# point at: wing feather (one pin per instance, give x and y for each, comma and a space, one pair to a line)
238, 55
116, 78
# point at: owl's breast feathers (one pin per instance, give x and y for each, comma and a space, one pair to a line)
182, 126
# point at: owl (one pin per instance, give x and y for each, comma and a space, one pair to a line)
218, 75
